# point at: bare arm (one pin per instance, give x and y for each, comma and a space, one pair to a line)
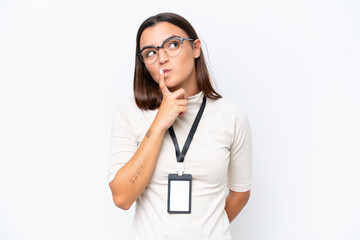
132, 178
235, 202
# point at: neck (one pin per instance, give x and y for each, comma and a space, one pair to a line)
192, 92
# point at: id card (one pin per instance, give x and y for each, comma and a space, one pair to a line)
179, 193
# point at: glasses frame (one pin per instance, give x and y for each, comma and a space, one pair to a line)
162, 46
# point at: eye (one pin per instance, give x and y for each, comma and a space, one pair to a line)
149, 53
174, 44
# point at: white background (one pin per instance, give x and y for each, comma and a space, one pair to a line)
292, 65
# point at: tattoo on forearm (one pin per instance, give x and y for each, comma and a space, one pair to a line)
136, 174
148, 133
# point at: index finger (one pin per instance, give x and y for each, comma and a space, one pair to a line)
164, 90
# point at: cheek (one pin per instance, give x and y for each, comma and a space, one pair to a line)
187, 62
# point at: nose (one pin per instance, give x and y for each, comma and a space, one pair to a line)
162, 56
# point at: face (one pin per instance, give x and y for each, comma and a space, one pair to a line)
179, 70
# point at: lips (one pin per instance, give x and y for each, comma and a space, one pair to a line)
166, 71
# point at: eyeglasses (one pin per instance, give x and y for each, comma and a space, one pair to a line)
172, 46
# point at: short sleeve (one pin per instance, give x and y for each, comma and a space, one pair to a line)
240, 165
123, 141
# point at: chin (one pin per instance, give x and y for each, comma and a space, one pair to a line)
172, 88
170, 83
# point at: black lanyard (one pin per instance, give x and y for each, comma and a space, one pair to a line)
180, 156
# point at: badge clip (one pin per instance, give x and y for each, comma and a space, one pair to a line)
180, 168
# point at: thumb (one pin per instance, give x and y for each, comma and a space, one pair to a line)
164, 90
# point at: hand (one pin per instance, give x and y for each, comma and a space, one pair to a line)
172, 105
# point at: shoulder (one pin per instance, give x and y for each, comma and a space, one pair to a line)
127, 106
229, 107
127, 110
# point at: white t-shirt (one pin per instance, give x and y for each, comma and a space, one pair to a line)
219, 157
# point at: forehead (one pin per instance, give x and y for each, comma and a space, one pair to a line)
156, 34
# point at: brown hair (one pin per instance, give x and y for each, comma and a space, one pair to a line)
146, 91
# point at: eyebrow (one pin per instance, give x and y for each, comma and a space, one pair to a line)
163, 42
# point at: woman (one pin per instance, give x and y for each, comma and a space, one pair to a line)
178, 195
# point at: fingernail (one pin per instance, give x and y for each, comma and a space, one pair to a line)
161, 71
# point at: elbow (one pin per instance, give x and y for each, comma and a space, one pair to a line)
240, 196
123, 206
120, 199
121, 203
246, 196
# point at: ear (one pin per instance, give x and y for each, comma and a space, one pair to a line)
197, 48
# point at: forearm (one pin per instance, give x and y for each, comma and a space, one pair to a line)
131, 180
235, 202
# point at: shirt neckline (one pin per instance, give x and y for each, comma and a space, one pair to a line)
195, 101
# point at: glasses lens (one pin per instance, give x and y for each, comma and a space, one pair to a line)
173, 47
149, 55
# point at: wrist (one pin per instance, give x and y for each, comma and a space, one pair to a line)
156, 129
